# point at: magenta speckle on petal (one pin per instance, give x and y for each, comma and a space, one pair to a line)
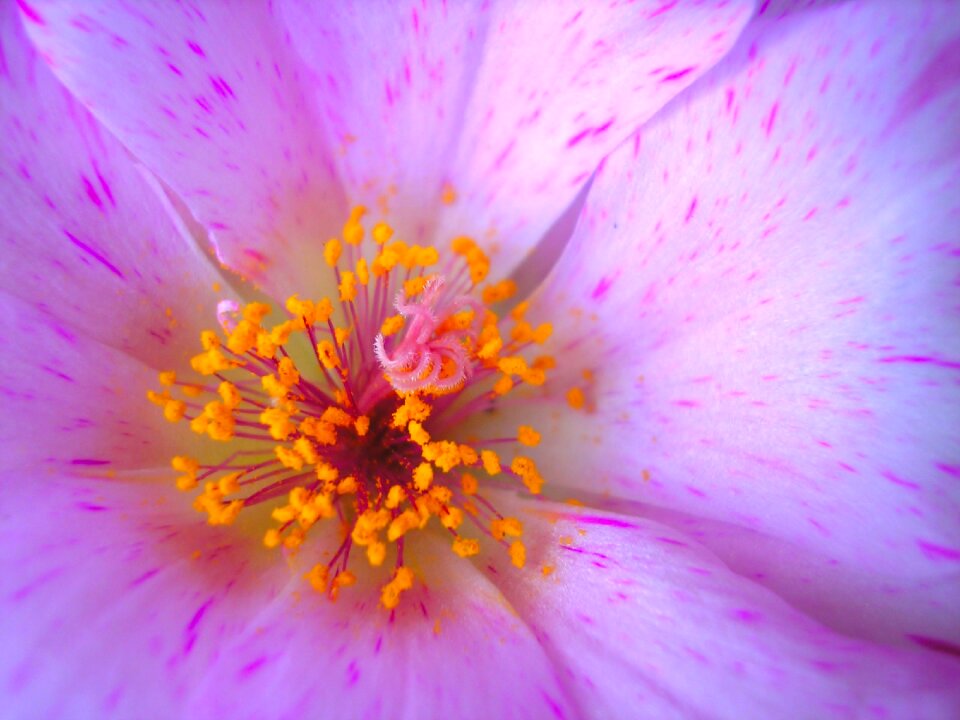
939, 552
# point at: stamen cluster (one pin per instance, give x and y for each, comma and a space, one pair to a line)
331, 412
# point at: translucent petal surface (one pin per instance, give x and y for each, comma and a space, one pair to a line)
511, 109
87, 239
765, 287
209, 98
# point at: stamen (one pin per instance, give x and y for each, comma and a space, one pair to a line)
357, 436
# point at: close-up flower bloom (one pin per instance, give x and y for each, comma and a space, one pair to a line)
504, 359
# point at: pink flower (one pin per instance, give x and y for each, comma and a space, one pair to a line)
755, 326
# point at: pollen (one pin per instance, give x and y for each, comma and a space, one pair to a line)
575, 398
342, 410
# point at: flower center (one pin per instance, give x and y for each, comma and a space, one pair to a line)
336, 411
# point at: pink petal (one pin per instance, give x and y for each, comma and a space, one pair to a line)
512, 108
645, 622
453, 649
72, 403
906, 610
107, 609
232, 630
87, 240
765, 285
209, 98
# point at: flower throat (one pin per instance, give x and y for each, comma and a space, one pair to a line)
333, 413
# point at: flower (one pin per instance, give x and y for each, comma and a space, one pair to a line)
754, 321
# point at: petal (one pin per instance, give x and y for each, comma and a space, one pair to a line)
86, 238
115, 601
168, 618
511, 109
765, 288
210, 100
647, 623
922, 610
73, 403
453, 648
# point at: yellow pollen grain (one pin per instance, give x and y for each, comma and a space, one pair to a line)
337, 416
376, 553
490, 348
468, 456
342, 335
515, 365
423, 476
209, 340
491, 463
273, 387
466, 547
527, 470
547, 570
347, 486
441, 493
542, 333
255, 312
168, 378
306, 449
243, 337
328, 354
361, 425
503, 385
382, 233
534, 376
348, 287
174, 410
327, 473
192, 391
318, 577
185, 483
575, 398
301, 308
452, 518
363, 271
502, 527
287, 372
444, 454
498, 292
185, 464
344, 578
400, 525
518, 553
332, 251
271, 538
392, 325
323, 309
353, 233
266, 347
417, 433
526, 435
413, 408
281, 333
278, 422
402, 581
448, 196
395, 496
414, 286
544, 362
469, 484
288, 458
